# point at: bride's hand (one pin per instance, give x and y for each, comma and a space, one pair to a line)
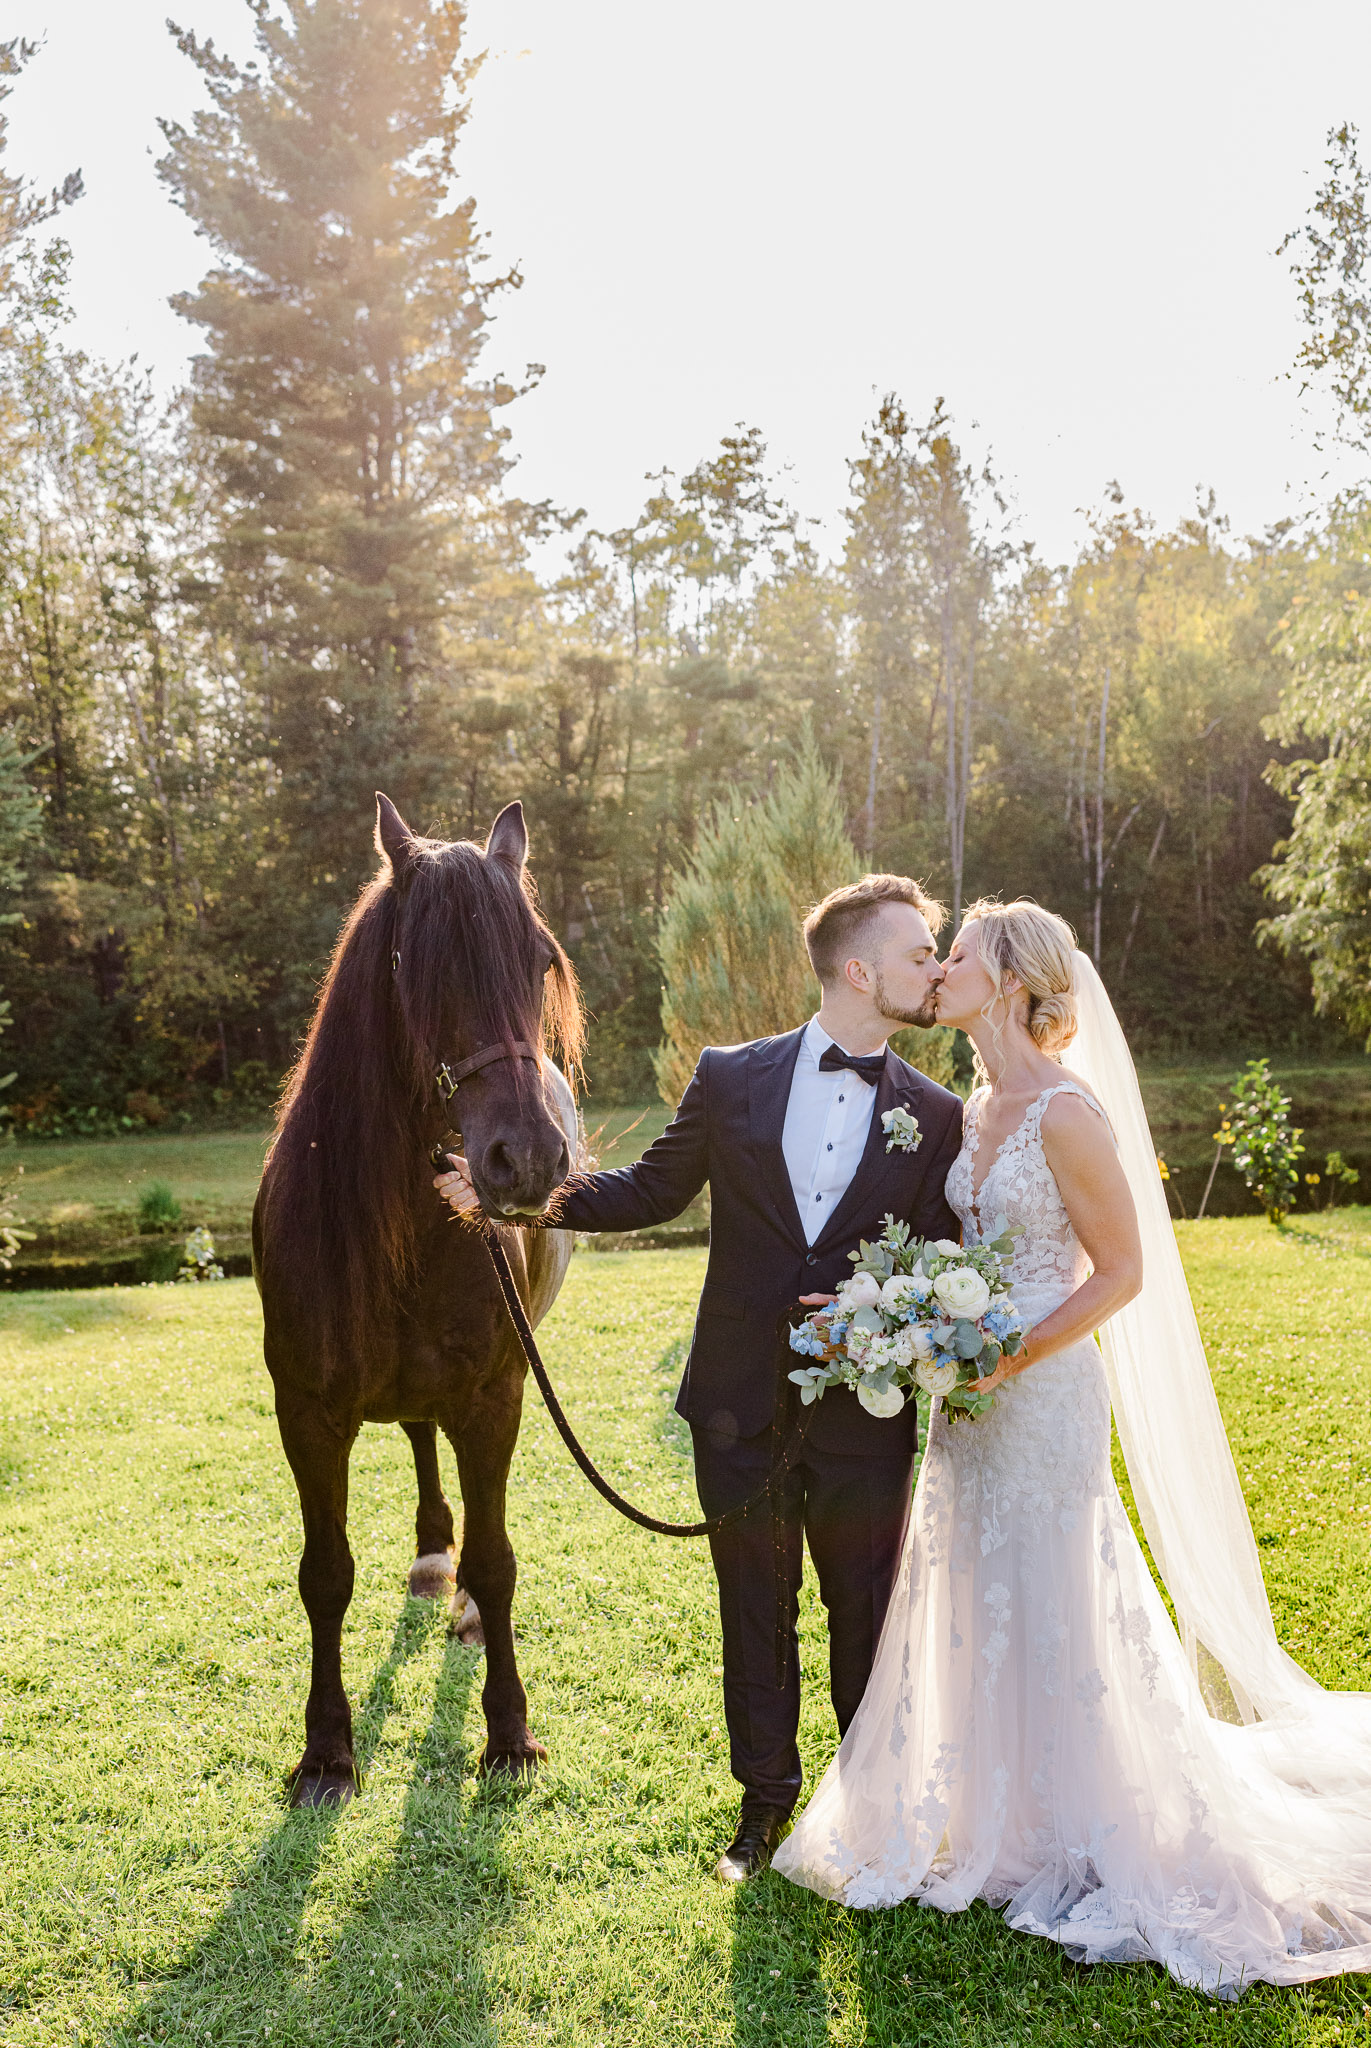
1007, 1369
456, 1187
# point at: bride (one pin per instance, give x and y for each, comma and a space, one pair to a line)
1035, 1731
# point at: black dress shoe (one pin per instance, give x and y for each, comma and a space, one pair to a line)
759, 1830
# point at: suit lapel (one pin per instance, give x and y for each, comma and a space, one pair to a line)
876, 1164
770, 1070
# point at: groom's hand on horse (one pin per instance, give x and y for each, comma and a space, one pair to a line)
456, 1187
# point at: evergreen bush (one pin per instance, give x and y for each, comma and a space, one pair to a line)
733, 960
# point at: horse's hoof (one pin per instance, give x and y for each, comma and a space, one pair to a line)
322, 1788
512, 1763
465, 1621
433, 1576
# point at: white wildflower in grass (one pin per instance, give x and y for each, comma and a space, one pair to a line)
934, 1315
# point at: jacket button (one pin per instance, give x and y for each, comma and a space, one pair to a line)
811, 1259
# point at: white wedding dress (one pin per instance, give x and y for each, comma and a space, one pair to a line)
1034, 1732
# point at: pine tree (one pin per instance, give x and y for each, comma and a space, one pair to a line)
734, 965
355, 448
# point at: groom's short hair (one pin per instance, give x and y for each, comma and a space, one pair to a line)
836, 929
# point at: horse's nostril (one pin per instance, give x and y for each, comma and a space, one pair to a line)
500, 1167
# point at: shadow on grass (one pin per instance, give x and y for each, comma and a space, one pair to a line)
809, 1973
260, 1972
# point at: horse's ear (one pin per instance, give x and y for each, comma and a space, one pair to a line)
394, 840
508, 839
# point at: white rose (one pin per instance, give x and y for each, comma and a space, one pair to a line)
960, 1291
920, 1343
883, 1402
863, 1290
935, 1379
899, 1290
946, 1246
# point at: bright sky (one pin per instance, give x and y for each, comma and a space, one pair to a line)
1062, 216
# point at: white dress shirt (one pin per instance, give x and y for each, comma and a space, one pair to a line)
827, 1120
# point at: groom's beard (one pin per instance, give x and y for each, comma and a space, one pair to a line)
926, 1016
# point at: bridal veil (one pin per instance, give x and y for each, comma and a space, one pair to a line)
1177, 1452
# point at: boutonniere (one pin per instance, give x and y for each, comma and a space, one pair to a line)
902, 1131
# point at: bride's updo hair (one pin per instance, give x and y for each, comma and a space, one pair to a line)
1038, 947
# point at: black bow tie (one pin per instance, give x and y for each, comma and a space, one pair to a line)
867, 1066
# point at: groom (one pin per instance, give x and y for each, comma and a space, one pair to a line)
787, 1131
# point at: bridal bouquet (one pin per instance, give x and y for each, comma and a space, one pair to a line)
935, 1315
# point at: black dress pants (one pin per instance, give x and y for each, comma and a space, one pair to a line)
852, 1509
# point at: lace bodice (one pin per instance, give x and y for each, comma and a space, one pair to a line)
1045, 1447
1019, 1185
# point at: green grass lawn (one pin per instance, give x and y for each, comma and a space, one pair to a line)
216, 1172
80, 1196
154, 1888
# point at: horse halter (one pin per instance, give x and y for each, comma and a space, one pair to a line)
449, 1080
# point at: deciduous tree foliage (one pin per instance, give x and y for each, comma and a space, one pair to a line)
224, 624
1322, 876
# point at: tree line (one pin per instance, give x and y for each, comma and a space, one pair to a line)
224, 622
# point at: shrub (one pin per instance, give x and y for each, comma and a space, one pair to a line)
198, 1261
1265, 1143
145, 1108
1336, 1174
158, 1208
734, 966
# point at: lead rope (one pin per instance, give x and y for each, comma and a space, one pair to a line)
787, 1444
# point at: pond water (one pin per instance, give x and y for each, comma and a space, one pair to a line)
1189, 1155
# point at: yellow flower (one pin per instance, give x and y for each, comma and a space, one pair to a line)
1163, 1168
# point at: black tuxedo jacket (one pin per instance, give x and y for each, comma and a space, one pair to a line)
727, 1131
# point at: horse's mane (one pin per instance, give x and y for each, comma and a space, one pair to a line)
348, 1164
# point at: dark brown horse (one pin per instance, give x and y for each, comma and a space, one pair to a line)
375, 1309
